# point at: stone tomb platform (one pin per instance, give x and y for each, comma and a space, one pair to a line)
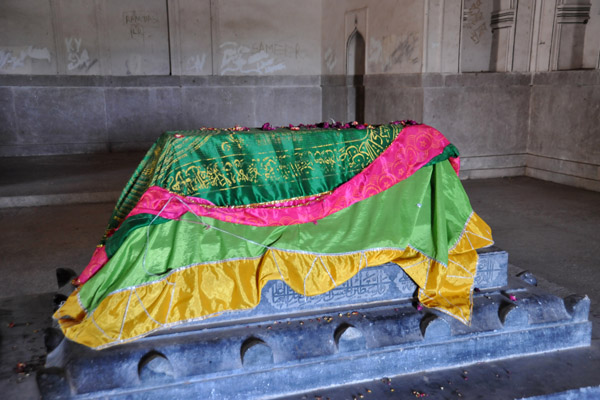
365, 329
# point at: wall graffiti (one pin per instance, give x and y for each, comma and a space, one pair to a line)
18, 58
77, 57
196, 63
330, 59
392, 50
284, 50
134, 64
136, 22
242, 59
474, 21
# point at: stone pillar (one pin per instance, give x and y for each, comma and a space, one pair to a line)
591, 50
512, 27
569, 34
523, 35
503, 37
476, 36
441, 36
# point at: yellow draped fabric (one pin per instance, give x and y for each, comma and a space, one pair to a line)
198, 291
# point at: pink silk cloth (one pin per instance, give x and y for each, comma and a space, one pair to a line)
414, 147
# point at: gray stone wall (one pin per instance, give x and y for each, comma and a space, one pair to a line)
42, 115
545, 125
564, 135
81, 76
160, 37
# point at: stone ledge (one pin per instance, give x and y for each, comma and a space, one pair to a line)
156, 80
561, 78
563, 179
580, 170
300, 352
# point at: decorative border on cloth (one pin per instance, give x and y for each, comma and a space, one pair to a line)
126, 317
411, 150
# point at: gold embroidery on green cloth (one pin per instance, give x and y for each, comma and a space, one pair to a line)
253, 167
234, 169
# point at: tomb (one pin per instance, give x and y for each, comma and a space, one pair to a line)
388, 301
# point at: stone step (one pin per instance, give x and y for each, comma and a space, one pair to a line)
285, 355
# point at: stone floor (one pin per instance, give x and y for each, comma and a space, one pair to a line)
548, 229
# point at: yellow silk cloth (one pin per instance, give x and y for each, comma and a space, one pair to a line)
199, 291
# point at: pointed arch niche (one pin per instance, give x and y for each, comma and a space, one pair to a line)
356, 53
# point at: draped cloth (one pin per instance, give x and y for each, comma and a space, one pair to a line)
210, 216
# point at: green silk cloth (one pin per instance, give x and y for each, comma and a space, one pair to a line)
231, 167
426, 211
140, 220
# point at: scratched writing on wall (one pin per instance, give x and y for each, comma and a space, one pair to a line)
330, 59
20, 57
196, 63
137, 21
284, 50
248, 60
393, 50
474, 21
78, 57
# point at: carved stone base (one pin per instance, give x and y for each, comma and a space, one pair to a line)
365, 330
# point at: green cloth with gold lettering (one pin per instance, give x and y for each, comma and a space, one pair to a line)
230, 168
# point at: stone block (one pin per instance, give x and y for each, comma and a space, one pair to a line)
349, 339
563, 122
561, 78
487, 79
221, 107
564, 167
334, 101
255, 352
563, 179
492, 173
251, 106
432, 80
512, 316
543, 308
578, 306
434, 329
280, 356
478, 120
394, 80
493, 161
258, 80
333, 80
291, 105
390, 104
9, 133
55, 81
49, 116
166, 81
142, 114
491, 268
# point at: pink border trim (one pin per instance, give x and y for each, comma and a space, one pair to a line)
414, 147
411, 150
